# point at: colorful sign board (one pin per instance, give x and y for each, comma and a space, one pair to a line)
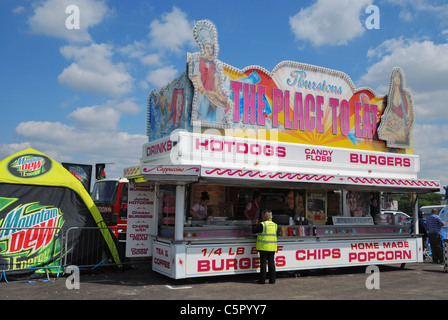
140, 220
398, 119
169, 108
306, 104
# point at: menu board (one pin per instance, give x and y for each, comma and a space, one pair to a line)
140, 220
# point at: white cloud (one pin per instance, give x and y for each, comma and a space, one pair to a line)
168, 35
8, 149
93, 71
162, 76
139, 50
46, 132
430, 144
425, 65
96, 118
50, 18
329, 22
410, 9
81, 141
173, 32
152, 59
431, 105
128, 106
18, 10
103, 117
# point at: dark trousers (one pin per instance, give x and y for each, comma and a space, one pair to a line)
435, 240
269, 257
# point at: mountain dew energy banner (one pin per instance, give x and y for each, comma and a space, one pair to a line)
39, 202
29, 231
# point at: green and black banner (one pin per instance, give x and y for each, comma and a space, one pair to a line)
82, 172
40, 202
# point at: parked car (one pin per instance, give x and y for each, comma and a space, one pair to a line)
392, 217
427, 210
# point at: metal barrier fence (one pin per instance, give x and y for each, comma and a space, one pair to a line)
87, 255
50, 249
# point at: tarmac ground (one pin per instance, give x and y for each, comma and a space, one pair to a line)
416, 281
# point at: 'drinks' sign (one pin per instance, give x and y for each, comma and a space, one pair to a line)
28, 234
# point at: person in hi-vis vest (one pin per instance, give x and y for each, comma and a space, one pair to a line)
266, 245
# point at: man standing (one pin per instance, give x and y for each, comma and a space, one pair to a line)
266, 246
434, 224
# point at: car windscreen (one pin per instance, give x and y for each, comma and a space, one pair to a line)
105, 191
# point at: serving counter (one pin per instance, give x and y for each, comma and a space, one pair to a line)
218, 251
242, 230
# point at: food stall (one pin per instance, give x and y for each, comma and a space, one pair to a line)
324, 155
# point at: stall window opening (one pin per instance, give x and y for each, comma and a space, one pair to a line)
167, 210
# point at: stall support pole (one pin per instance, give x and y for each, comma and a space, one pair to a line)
415, 220
155, 227
180, 212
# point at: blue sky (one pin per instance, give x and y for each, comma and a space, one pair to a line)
80, 95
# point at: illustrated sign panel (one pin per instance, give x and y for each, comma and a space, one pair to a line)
303, 103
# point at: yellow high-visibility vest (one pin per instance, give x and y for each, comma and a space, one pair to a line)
267, 239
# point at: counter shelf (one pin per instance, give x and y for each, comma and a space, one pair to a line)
241, 230
210, 231
332, 230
